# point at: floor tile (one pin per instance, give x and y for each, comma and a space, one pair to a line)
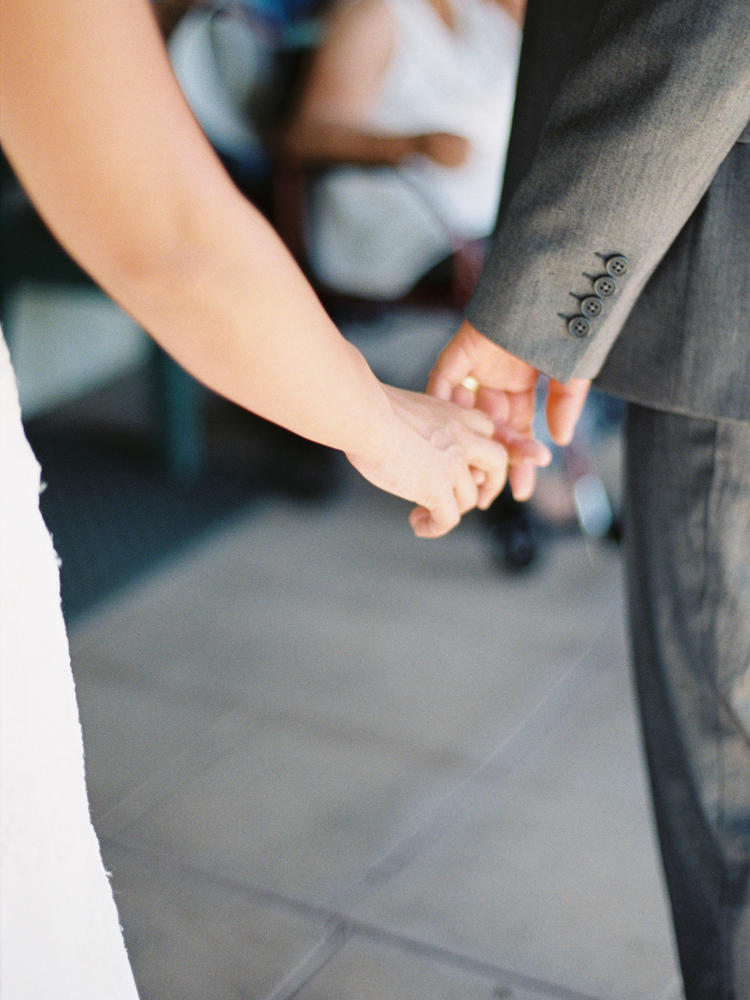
333, 617
597, 738
310, 702
552, 872
150, 730
297, 811
556, 898
401, 347
191, 937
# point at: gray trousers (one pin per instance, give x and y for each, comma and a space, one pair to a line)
687, 524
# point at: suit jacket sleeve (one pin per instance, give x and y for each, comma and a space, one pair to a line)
654, 95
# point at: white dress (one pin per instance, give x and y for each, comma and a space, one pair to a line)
376, 231
60, 937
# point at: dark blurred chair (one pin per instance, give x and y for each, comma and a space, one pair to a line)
448, 285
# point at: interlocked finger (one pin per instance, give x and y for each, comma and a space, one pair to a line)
466, 491
490, 459
436, 521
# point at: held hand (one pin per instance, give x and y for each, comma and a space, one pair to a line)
438, 455
506, 392
442, 147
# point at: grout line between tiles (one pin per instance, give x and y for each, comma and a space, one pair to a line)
340, 929
300, 907
221, 739
345, 930
463, 962
504, 760
311, 965
215, 743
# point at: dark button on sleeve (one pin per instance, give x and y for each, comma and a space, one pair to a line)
579, 326
605, 286
592, 306
617, 266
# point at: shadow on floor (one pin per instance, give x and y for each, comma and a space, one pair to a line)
114, 510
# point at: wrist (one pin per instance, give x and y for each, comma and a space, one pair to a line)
379, 434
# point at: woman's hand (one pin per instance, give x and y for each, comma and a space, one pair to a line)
504, 386
438, 455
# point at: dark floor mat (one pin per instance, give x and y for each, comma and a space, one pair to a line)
114, 511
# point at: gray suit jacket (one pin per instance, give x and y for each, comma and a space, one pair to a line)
630, 154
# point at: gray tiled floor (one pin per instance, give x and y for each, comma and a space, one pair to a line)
330, 761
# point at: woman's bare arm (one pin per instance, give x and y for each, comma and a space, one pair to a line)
97, 129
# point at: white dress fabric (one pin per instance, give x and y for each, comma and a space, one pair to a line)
60, 937
375, 231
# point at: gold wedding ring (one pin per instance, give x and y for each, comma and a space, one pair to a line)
470, 383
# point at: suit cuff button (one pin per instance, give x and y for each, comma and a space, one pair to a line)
617, 266
605, 286
579, 327
592, 306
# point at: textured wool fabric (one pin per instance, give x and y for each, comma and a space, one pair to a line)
688, 538
629, 149
627, 112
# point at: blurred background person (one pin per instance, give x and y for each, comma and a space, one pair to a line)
408, 102
403, 122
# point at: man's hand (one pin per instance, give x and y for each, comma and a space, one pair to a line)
506, 392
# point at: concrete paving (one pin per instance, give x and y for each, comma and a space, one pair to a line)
330, 761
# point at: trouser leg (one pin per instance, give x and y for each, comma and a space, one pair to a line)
688, 571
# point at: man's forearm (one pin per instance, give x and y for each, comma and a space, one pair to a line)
640, 125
